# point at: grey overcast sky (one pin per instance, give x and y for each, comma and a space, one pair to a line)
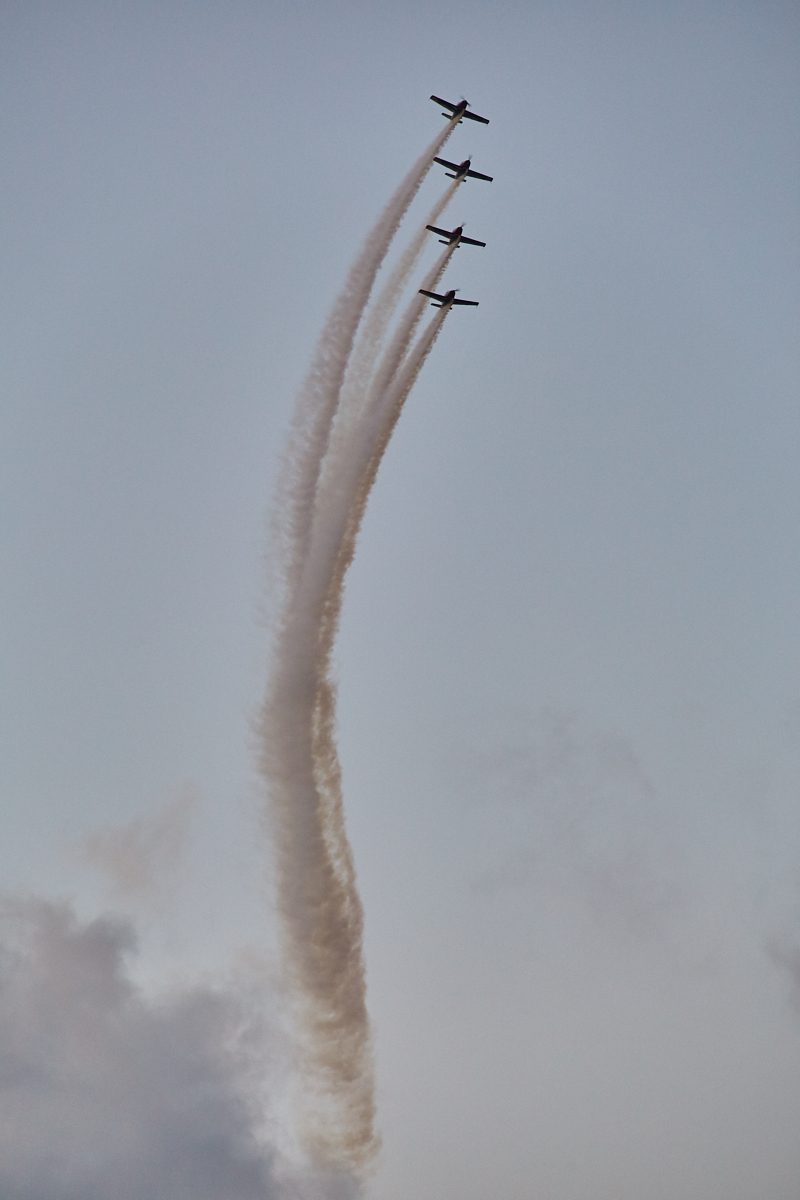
569, 663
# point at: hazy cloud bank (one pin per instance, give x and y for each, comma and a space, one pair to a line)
105, 1092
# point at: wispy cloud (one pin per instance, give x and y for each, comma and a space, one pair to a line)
137, 858
784, 953
586, 819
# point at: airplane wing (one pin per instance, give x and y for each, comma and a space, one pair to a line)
457, 301
442, 232
432, 295
444, 103
444, 163
472, 241
475, 117
478, 175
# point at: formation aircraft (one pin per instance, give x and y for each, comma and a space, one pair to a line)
448, 236
461, 170
446, 300
459, 110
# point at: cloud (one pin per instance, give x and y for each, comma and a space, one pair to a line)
785, 955
107, 1093
580, 816
136, 858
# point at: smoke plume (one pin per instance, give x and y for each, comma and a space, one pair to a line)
324, 490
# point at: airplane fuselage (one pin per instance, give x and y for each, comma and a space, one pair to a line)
459, 172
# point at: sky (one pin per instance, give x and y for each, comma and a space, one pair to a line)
568, 665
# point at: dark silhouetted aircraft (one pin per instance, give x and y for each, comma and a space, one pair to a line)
445, 301
459, 110
448, 236
462, 170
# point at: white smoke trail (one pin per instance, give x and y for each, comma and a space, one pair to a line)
342, 545
319, 397
375, 325
317, 897
347, 458
336, 529
325, 754
344, 524
373, 331
363, 384
363, 473
407, 327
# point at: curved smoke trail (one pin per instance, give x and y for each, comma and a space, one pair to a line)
400, 343
386, 417
318, 901
343, 515
373, 331
319, 397
364, 470
348, 460
325, 704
